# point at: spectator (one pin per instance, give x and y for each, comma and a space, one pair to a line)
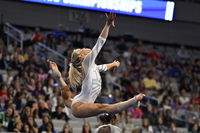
176, 104
53, 100
51, 40
168, 117
5, 60
136, 112
33, 128
136, 130
18, 127
149, 82
166, 103
146, 127
66, 128
37, 36
154, 55
62, 45
149, 114
184, 99
39, 89
26, 128
185, 85
31, 84
26, 112
117, 95
45, 121
3, 95
172, 128
108, 122
172, 84
194, 128
18, 100
17, 87
48, 87
141, 48
86, 128
60, 101
160, 125
34, 107
27, 36
60, 32
128, 125
15, 124
43, 109
195, 87
50, 128
59, 114
10, 93
175, 71
6, 118
8, 76
111, 78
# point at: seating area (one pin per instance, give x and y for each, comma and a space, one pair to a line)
168, 74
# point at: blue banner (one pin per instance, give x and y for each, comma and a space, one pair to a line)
157, 9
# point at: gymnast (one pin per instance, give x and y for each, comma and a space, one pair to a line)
85, 73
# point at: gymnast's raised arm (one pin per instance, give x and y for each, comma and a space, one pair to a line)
89, 60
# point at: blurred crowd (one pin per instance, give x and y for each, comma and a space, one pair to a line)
29, 92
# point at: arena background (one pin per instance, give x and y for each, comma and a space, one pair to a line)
169, 50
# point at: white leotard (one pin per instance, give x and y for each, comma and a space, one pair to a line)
91, 85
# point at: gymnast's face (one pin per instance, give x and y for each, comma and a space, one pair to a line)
83, 52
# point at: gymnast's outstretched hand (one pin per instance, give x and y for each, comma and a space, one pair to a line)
110, 18
54, 68
116, 63
139, 96
113, 64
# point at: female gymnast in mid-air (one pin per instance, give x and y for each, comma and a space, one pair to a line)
85, 73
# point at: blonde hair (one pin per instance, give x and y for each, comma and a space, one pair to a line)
75, 68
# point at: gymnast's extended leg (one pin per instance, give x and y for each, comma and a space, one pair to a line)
84, 109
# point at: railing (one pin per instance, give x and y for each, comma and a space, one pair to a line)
41, 49
13, 33
51, 54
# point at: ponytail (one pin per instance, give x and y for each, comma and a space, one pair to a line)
75, 68
75, 77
